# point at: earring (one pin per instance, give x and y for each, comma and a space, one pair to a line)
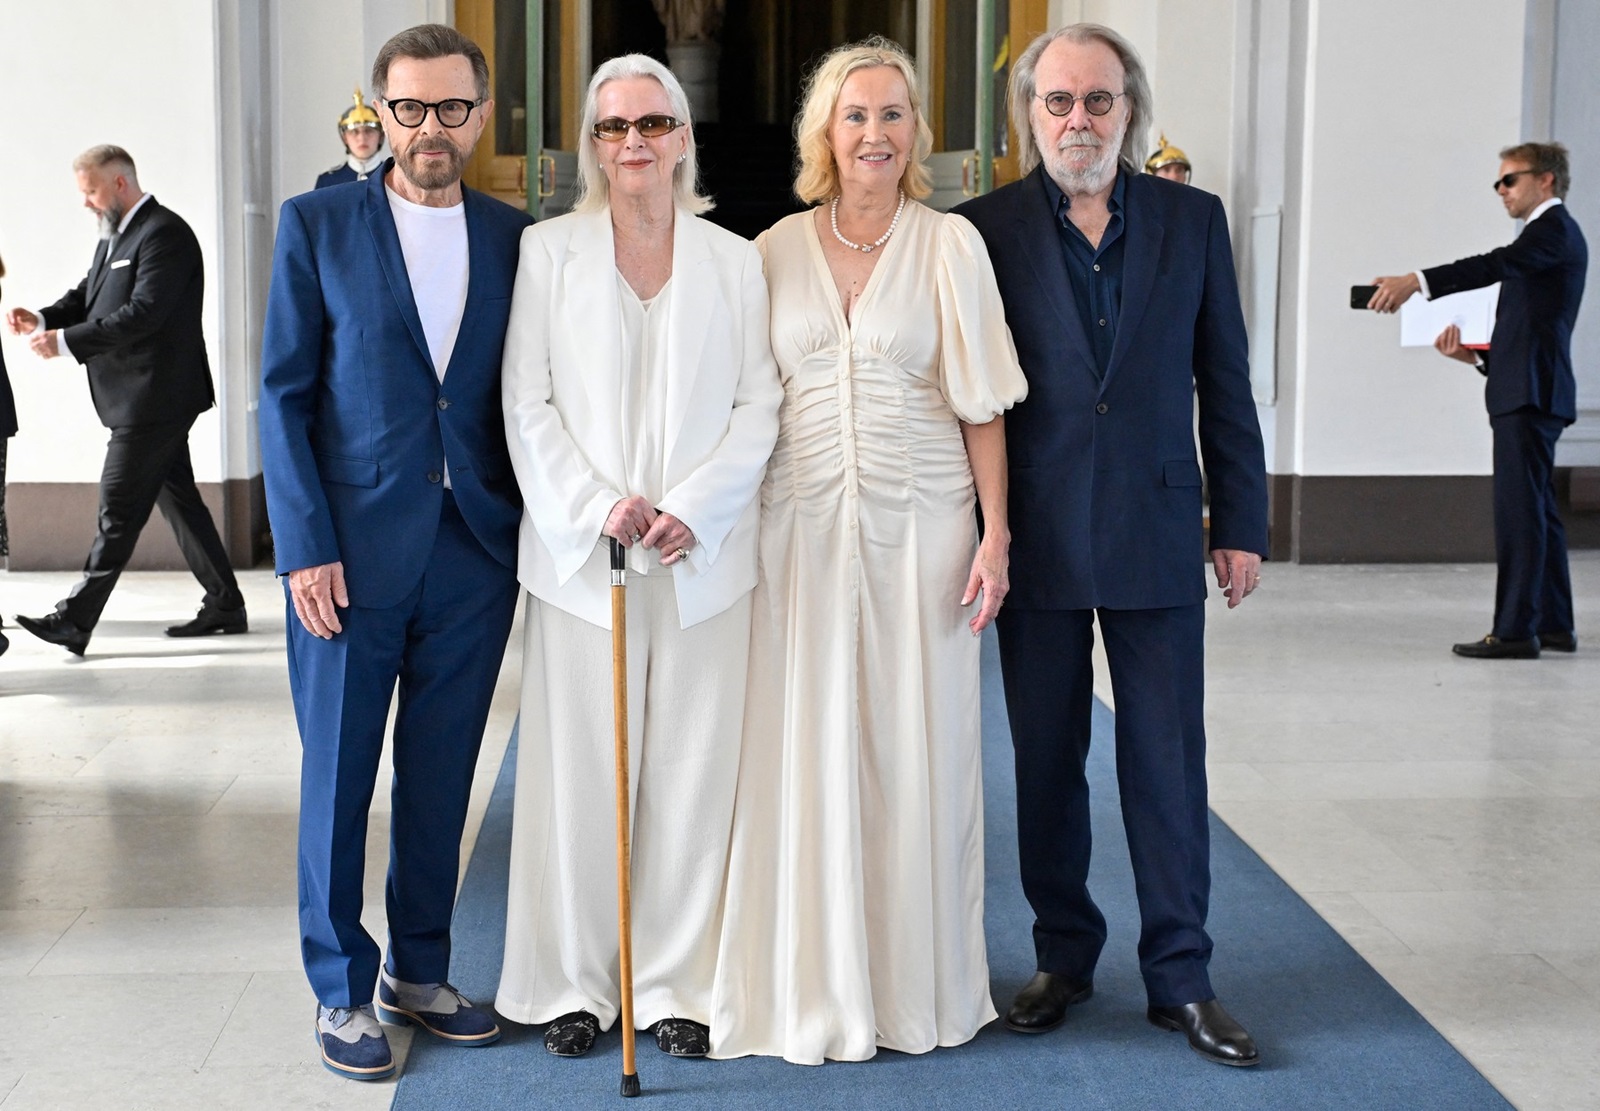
684, 157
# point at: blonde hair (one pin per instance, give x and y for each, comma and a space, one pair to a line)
817, 174
594, 191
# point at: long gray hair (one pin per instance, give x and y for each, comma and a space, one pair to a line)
594, 191
1135, 86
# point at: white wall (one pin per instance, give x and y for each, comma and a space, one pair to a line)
320, 55
1575, 121
1400, 139
97, 72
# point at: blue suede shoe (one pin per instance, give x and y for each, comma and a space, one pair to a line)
353, 1044
439, 1009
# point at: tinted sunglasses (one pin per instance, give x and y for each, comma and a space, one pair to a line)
614, 129
1510, 179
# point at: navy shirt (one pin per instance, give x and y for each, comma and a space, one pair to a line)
1096, 274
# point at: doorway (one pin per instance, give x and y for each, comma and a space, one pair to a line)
746, 94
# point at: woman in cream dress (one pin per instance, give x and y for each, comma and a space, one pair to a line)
641, 403
854, 913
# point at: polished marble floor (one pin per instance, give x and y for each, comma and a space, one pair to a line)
1441, 813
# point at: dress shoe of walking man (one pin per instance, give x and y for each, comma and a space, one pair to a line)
134, 321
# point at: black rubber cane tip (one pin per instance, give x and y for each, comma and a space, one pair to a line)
630, 1084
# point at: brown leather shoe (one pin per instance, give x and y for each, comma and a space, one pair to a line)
1042, 1004
1211, 1031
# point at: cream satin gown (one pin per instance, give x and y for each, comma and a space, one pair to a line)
854, 907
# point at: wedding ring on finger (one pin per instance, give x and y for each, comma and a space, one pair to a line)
683, 553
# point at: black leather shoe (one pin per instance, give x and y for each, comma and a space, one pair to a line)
1042, 1004
572, 1035
57, 630
1211, 1031
1493, 648
209, 621
682, 1037
1558, 642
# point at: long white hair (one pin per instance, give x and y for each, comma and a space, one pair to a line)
594, 190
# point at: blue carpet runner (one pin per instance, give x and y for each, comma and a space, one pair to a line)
1333, 1034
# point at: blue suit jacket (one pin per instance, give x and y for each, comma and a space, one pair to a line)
355, 426
1105, 487
1541, 275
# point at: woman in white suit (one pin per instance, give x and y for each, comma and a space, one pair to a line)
641, 403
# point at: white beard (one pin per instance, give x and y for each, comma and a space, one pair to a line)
1079, 179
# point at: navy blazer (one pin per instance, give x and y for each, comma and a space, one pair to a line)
1106, 505
1541, 273
134, 321
355, 425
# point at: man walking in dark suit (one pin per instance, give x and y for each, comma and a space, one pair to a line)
394, 516
135, 321
1120, 293
1530, 393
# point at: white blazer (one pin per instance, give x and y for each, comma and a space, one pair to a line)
562, 387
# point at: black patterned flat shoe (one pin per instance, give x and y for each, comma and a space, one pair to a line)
572, 1035
682, 1037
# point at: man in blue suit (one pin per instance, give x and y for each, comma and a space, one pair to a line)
1530, 393
394, 515
1120, 292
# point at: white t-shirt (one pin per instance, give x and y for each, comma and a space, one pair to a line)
434, 243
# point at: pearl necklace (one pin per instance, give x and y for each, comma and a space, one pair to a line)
866, 248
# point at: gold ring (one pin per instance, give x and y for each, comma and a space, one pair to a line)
683, 553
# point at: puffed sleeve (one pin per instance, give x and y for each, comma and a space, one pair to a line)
978, 369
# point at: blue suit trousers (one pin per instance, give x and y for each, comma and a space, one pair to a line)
1533, 589
1157, 659
442, 645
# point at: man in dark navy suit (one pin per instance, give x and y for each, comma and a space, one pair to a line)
134, 321
394, 518
1120, 293
1530, 393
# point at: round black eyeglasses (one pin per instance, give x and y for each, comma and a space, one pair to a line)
449, 113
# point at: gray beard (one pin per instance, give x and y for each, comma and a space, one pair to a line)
428, 176
1087, 179
109, 219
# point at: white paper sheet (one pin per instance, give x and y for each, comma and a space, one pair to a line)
1472, 311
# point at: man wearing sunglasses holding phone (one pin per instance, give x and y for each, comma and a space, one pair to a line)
394, 516
1530, 393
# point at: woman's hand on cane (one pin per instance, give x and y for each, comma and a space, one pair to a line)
671, 537
630, 519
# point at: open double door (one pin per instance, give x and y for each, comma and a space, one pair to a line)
542, 53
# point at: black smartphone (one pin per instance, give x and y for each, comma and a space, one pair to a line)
1360, 295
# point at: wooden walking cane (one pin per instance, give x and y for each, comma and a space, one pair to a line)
619, 703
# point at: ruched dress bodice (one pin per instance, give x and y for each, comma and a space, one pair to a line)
855, 898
